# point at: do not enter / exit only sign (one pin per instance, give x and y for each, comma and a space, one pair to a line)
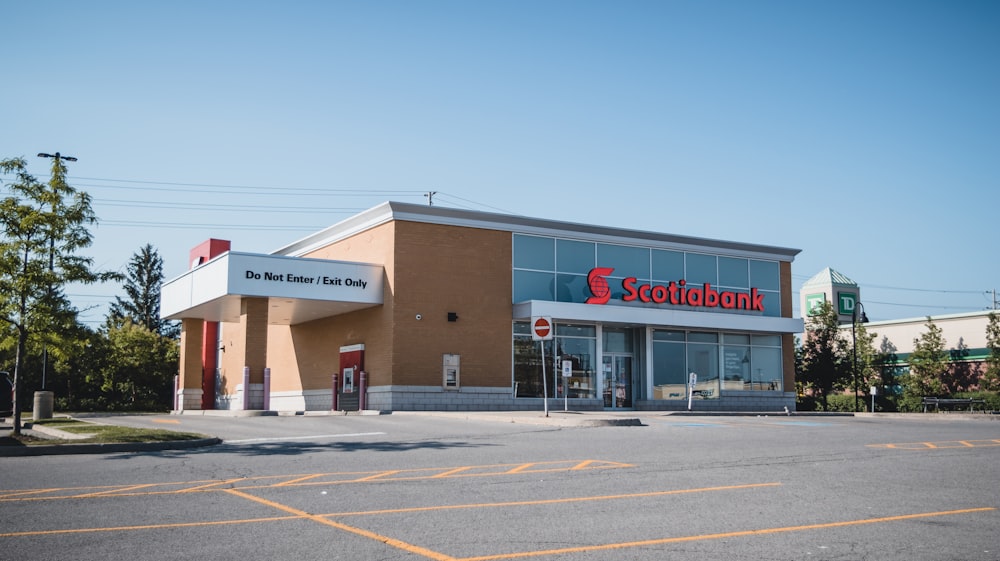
541, 328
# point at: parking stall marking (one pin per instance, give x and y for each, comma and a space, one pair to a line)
940, 445
298, 480
292, 513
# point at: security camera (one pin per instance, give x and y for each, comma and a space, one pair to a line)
419, 317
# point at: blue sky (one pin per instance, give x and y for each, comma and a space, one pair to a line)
866, 134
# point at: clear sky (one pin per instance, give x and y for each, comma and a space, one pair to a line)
865, 133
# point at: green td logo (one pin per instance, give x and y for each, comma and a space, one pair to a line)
814, 302
846, 302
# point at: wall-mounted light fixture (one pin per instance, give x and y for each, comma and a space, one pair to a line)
452, 316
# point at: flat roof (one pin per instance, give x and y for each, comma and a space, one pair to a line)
389, 211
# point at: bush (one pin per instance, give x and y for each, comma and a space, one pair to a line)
992, 399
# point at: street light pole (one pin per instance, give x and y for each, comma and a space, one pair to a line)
854, 346
57, 169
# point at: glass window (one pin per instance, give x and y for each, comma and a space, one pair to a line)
571, 330
528, 366
701, 269
735, 366
669, 372
617, 340
703, 337
574, 257
765, 372
627, 261
766, 340
529, 285
735, 339
764, 275
581, 350
734, 272
703, 360
667, 265
572, 288
534, 252
664, 335
772, 303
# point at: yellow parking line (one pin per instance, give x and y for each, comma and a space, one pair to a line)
145, 527
379, 475
537, 502
399, 544
703, 537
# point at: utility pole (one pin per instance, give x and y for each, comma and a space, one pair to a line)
996, 303
430, 197
58, 174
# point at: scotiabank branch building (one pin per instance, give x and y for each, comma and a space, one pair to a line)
409, 307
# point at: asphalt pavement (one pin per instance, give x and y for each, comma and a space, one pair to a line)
224, 426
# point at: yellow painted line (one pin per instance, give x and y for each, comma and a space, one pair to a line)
704, 537
146, 527
537, 502
167, 421
379, 475
116, 491
940, 445
210, 485
451, 472
399, 544
333, 478
298, 480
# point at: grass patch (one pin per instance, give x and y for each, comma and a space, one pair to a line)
99, 434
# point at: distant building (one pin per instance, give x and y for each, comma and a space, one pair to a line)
964, 334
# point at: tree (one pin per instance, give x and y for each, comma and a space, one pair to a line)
928, 363
142, 289
991, 377
863, 358
139, 368
44, 228
823, 350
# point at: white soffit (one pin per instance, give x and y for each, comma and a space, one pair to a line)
298, 290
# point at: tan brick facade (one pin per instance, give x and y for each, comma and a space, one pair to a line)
441, 263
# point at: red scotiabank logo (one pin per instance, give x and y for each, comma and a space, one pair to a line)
677, 293
598, 284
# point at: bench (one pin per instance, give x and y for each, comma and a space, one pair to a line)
938, 402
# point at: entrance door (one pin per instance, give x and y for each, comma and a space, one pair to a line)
617, 381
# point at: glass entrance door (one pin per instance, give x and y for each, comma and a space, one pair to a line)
617, 379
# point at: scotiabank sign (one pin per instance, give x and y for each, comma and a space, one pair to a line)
677, 293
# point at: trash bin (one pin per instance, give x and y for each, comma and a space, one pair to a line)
43, 405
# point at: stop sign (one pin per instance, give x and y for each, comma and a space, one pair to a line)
541, 328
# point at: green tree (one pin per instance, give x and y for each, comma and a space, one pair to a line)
991, 377
141, 305
44, 229
139, 369
823, 366
928, 365
864, 359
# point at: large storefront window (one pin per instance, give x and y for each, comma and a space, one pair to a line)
703, 360
742, 362
574, 343
555, 269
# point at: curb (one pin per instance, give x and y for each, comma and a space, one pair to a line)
64, 449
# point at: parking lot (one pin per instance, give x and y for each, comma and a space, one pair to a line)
467, 487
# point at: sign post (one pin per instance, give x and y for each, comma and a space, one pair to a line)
567, 371
541, 331
692, 380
